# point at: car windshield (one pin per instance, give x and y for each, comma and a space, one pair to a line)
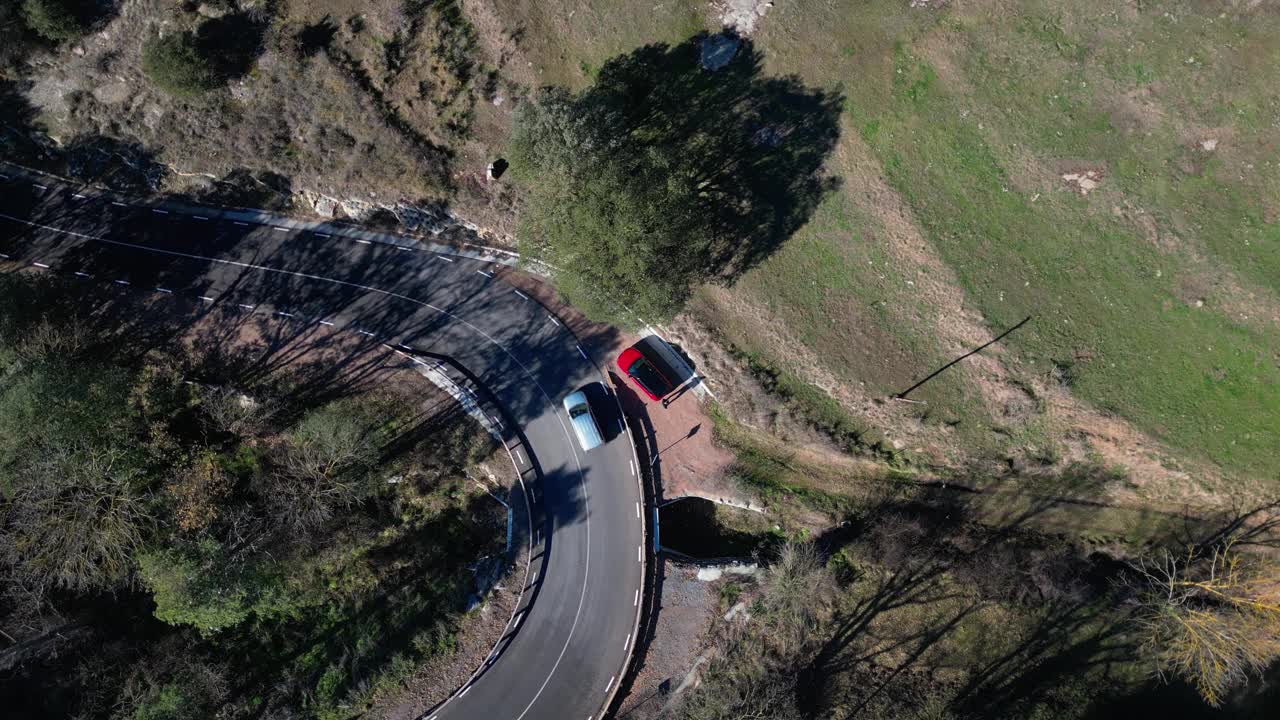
646, 375
578, 410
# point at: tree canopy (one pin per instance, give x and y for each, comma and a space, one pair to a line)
663, 175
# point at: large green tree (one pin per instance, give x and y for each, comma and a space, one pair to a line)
665, 175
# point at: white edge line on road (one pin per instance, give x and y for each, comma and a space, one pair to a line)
637, 509
611, 679
636, 601
158, 211
441, 257
554, 320
580, 352
40, 265
632, 464
626, 643
639, 552
522, 295
164, 291
488, 275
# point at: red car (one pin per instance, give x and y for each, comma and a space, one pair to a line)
644, 374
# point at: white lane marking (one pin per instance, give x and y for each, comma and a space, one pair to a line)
488, 275
206, 298
366, 332
281, 229
83, 274
3, 176
325, 322
621, 425
465, 690
324, 235
77, 196
402, 248
552, 319
42, 187
199, 217
441, 257
584, 355
247, 307
241, 224
611, 679
626, 643
637, 509
363, 242
522, 295
158, 211
117, 204
40, 265
282, 313
3, 256
121, 282
164, 291
632, 464
636, 600
582, 595
639, 550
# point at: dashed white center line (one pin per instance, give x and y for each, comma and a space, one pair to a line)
365, 332
77, 196
402, 248
206, 298
584, 355
324, 235
199, 217
636, 600
120, 282
40, 265
42, 187
164, 291
247, 307
553, 320
522, 295
364, 242
637, 509
639, 553
325, 322
282, 313
3, 256
632, 464
117, 204
405, 347
281, 229
241, 224
83, 274
626, 643
441, 257
158, 211
488, 275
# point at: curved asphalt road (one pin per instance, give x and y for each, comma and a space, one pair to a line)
572, 641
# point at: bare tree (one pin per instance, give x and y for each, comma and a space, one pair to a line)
229, 410
1211, 617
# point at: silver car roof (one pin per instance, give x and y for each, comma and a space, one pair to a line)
584, 425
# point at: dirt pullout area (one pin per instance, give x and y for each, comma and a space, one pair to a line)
686, 610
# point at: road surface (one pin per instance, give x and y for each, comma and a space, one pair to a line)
569, 642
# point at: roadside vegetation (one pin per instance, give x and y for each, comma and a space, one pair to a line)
176, 544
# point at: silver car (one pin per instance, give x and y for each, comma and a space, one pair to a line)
583, 421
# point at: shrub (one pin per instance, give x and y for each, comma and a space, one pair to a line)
177, 65
55, 20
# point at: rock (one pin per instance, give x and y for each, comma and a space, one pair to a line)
498, 100
1209, 145
112, 93
719, 50
325, 207
211, 11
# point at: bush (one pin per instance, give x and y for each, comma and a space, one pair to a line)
177, 65
56, 20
